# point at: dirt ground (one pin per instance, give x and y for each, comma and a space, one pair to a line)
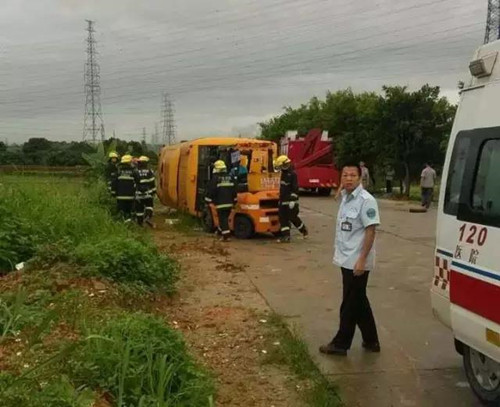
223, 319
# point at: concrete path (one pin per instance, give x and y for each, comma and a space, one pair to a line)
418, 365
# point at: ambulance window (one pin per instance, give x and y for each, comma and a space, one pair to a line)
486, 192
456, 175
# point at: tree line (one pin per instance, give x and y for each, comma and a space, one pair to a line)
40, 151
399, 128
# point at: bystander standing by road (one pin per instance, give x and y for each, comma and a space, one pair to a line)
357, 219
427, 182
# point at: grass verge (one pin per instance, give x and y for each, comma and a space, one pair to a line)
290, 350
77, 327
47, 222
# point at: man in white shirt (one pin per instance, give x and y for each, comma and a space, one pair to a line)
427, 182
357, 220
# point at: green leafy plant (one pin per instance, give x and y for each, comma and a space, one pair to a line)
124, 259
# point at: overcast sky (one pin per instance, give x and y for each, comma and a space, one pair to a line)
228, 64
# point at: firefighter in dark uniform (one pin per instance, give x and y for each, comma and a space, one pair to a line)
221, 192
125, 185
145, 191
111, 170
289, 200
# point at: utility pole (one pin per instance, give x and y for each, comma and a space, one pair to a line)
93, 123
492, 22
168, 136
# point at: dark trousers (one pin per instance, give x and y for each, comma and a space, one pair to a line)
427, 196
289, 216
148, 207
355, 310
223, 215
125, 207
388, 186
139, 210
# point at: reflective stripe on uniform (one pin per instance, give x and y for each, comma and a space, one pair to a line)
125, 198
139, 214
294, 195
222, 206
126, 177
284, 229
285, 203
144, 181
226, 232
149, 208
225, 184
285, 183
207, 199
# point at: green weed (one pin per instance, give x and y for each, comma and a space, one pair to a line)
140, 361
127, 261
293, 352
56, 392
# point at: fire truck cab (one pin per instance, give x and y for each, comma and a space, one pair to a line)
465, 289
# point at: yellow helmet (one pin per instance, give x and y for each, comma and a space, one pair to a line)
220, 166
126, 159
113, 154
143, 159
281, 160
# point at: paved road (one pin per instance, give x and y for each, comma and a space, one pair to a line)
418, 365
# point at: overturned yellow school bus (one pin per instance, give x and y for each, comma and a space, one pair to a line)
185, 169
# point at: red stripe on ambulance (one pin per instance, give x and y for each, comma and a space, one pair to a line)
475, 295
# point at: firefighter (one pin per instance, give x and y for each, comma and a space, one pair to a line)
111, 170
289, 200
145, 192
125, 187
221, 192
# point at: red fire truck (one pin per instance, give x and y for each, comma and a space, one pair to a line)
312, 158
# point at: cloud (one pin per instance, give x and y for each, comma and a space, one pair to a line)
228, 64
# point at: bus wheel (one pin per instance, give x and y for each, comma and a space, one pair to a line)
243, 227
324, 191
483, 374
208, 221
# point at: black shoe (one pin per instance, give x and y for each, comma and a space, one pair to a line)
331, 349
372, 347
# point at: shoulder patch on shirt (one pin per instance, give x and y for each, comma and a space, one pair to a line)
371, 213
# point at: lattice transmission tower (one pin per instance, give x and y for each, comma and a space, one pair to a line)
93, 123
492, 22
168, 136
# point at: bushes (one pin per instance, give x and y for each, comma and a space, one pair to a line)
126, 260
140, 361
131, 359
64, 221
16, 242
66, 343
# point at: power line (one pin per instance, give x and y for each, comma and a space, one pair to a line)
243, 75
92, 122
280, 61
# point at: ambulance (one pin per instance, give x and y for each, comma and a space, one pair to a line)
465, 289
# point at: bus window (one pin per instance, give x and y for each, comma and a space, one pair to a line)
456, 174
486, 191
